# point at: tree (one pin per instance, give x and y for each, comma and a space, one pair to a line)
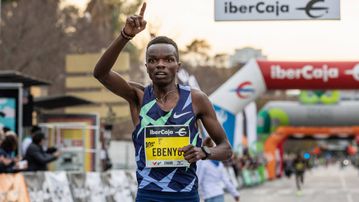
33, 40
105, 18
221, 60
196, 52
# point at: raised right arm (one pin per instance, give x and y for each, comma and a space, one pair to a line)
111, 79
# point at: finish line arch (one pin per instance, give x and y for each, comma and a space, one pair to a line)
282, 133
256, 77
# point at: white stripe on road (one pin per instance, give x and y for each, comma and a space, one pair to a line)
344, 186
262, 192
342, 180
284, 191
309, 191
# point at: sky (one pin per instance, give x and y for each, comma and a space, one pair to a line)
186, 20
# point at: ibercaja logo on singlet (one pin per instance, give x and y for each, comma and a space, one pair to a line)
162, 144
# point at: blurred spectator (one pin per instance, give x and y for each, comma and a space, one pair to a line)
9, 144
28, 139
8, 161
7, 158
35, 155
212, 178
288, 165
6, 164
105, 139
299, 168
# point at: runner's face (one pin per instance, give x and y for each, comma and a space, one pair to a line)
162, 64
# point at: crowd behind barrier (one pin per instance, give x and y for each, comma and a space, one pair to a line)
248, 170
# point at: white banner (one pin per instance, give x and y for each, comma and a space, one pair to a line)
251, 116
237, 10
239, 90
238, 134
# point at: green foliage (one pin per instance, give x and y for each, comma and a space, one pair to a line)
198, 46
113, 11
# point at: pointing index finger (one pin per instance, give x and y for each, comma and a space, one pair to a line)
143, 8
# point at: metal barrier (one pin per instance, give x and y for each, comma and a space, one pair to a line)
113, 186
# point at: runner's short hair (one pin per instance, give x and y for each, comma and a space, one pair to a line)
164, 40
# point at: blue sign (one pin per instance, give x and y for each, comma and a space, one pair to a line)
228, 121
8, 113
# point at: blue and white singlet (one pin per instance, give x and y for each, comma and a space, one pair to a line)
166, 179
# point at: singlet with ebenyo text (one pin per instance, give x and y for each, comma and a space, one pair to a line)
157, 138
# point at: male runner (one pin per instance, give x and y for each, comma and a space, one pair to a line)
166, 137
299, 169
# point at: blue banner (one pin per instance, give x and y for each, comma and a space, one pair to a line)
227, 120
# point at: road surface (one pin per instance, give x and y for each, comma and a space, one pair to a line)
321, 184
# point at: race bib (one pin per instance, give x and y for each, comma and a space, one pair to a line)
162, 144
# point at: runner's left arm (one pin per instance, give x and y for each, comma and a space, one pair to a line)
205, 112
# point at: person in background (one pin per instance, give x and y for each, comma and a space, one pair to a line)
212, 178
105, 139
35, 155
28, 139
6, 164
9, 162
299, 170
288, 165
3, 161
